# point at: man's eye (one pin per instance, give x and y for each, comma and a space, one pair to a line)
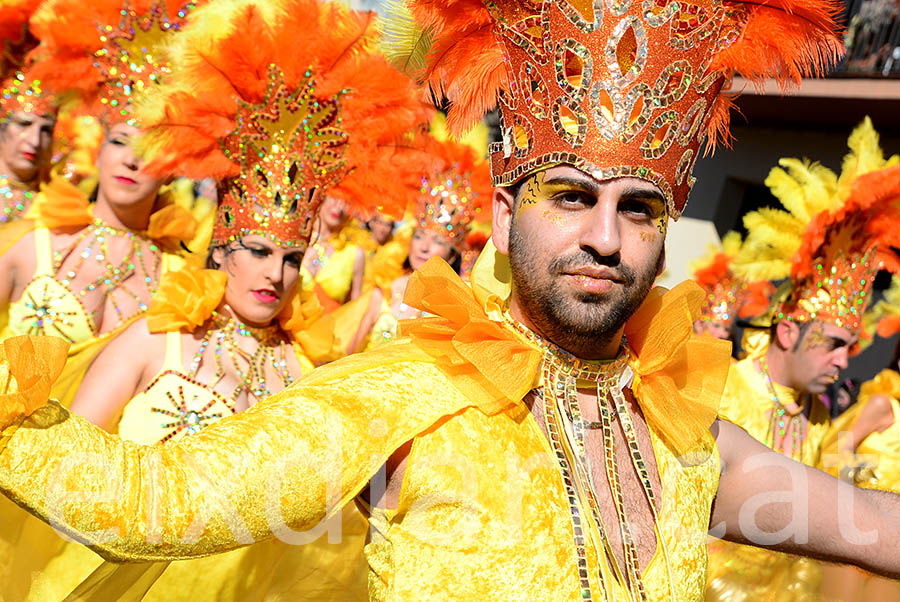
636, 207
568, 199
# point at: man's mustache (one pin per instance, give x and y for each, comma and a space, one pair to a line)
580, 261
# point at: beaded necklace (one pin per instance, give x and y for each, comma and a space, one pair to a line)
560, 373
96, 238
320, 260
225, 331
15, 199
777, 423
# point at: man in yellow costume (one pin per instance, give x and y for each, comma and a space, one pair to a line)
837, 234
551, 433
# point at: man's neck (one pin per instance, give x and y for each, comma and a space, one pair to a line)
776, 364
598, 348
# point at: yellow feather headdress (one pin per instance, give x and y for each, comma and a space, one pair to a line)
834, 235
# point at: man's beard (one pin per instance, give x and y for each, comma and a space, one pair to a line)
587, 324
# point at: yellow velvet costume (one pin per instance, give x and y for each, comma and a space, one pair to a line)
465, 528
738, 572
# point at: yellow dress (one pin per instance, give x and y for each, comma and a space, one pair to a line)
465, 529
172, 406
335, 278
738, 572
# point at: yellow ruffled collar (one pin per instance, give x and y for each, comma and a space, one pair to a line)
187, 298
679, 376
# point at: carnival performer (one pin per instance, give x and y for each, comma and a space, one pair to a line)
863, 445
727, 296
450, 198
27, 114
381, 229
468, 439
833, 240
334, 266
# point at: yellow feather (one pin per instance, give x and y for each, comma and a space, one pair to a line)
403, 42
865, 153
776, 219
731, 243
787, 190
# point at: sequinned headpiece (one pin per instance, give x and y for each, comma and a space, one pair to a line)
107, 52
838, 232
615, 88
19, 89
324, 118
456, 192
728, 296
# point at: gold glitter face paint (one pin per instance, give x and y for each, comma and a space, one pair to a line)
815, 337
530, 192
649, 236
552, 217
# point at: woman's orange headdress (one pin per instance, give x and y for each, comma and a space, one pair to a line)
105, 52
279, 101
455, 192
617, 87
20, 90
728, 296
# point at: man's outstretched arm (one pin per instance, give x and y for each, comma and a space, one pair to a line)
276, 469
768, 500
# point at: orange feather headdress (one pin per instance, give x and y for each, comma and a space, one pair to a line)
104, 52
281, 100
728, 296
837, 233
19, 89
617, 87
456, 191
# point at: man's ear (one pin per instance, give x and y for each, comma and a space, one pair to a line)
662, 261
503, 204
786, 334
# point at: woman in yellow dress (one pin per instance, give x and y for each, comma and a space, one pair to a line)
863, 448
27, 115
334, 266
218, 340
448, 201
83, 269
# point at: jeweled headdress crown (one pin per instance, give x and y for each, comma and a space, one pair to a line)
324, 117
838, 232
456, 192
728, 296
108, 52
19, 89
616, 87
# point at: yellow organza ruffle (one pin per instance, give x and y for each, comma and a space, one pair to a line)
185, 299
487, 360
679, 376
62, 204
28, 367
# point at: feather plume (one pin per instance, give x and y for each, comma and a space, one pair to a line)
222, 59
71, 36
